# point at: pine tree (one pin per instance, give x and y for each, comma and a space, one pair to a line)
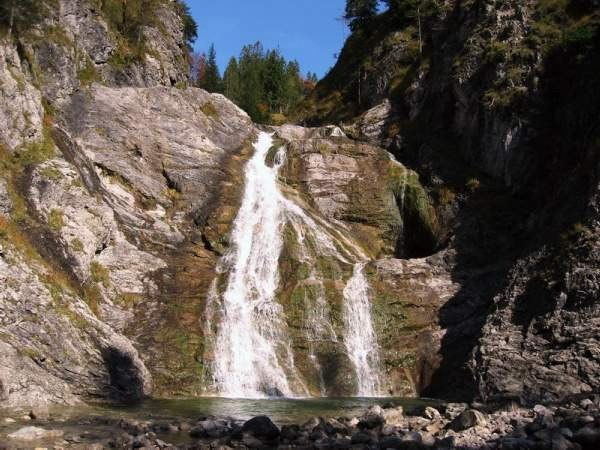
190, 27
274, 76
263, 83
414, 11
231, 81
360, 12
251, 73
211, 78
294, 85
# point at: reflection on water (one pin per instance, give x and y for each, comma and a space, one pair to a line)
281, 411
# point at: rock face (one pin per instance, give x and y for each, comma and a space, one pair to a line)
104, 195
345, 182
111, 224
21, 112
54, 349
489, 119
76, 45
549, 331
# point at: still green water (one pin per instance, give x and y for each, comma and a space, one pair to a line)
281, 411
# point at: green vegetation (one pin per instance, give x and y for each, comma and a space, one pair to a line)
58, 35
209, 110
207, 74
173, 194
60, 305
446, 195
17, 16
56, 220
13, 164
51, 173
92, 297
343, 93
261, 82
359, 12
420, 218
30, 352
29, 154
556, 25
129, 299
190, 27
77, 245
88, 73
181, 85
100, 274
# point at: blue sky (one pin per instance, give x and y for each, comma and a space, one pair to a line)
306, 30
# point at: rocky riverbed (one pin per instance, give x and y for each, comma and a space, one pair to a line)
574, 425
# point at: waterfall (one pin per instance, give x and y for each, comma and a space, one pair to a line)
359, 337
252, 338
246, 326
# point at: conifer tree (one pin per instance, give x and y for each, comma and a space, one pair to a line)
414, 11
190, 27
360, 12
263, 83
231, 81
210, 79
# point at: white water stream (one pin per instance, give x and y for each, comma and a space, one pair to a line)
360, 339
252, 349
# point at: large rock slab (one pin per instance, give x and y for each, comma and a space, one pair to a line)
21, 111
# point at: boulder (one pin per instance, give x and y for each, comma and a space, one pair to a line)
394, 416
311, 424
587, 437
586, 403
361, 438
467, 419
261, 427
394, 442
516, 443
332, 426
373, 418
431, 413
40, 412
290, 432
251, 441
34, 434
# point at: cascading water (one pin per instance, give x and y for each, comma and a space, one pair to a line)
360, 338
252, 335
252, 349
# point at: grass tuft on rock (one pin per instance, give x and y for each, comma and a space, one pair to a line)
100, 274
56, 220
